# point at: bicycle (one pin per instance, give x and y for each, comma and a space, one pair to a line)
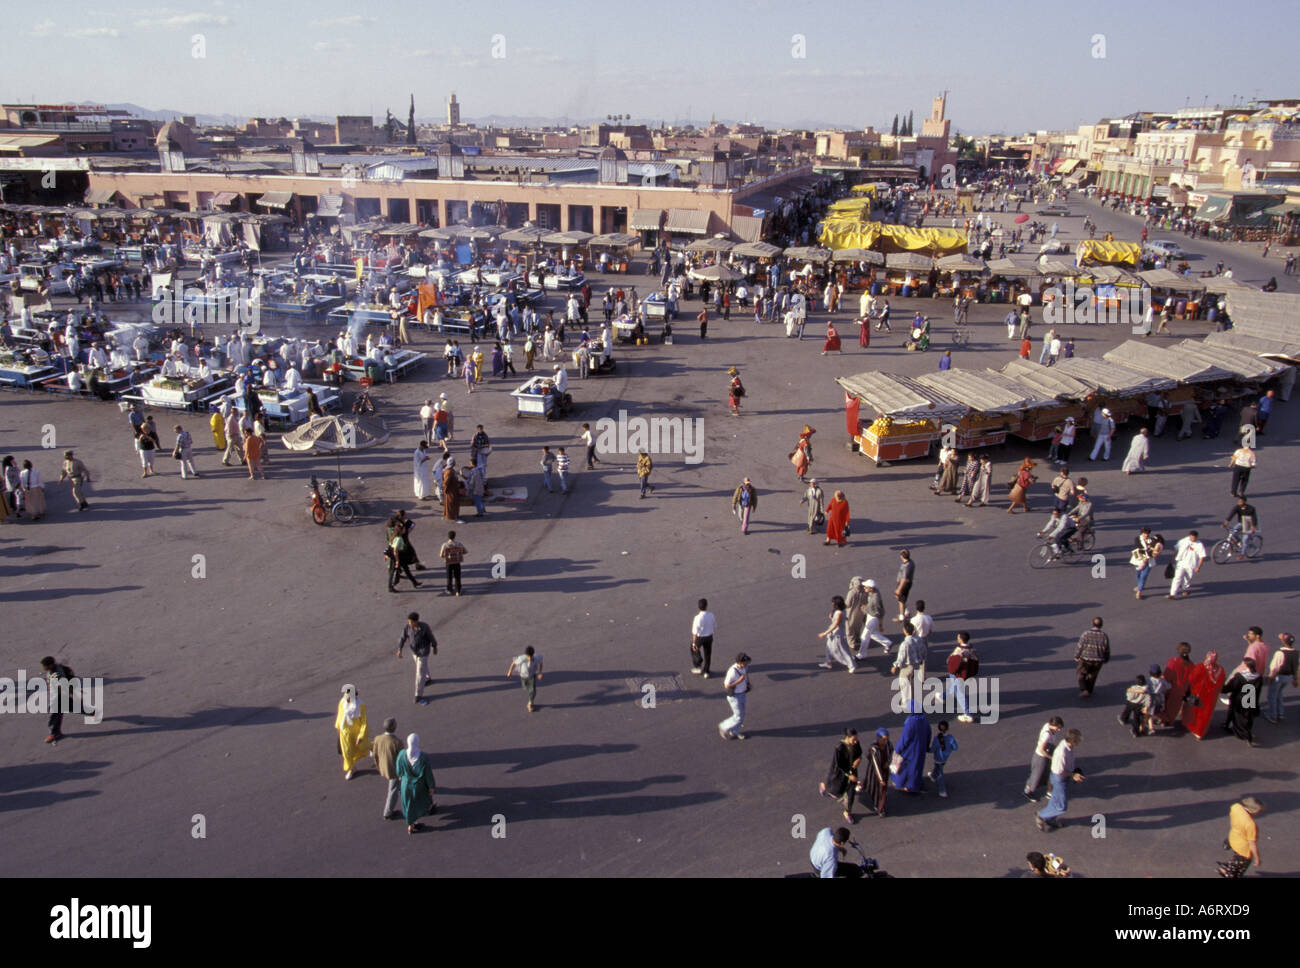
1052, 551
329, 499
1233, 546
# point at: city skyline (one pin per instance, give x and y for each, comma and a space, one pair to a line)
799, 65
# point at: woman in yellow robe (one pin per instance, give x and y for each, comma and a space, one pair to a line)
478, 365
354, 734
218, 425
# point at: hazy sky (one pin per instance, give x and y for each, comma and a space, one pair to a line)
1009, 66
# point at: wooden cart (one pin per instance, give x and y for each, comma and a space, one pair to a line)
894, 447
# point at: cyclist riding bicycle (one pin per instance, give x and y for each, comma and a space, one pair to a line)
1247, 519
1080, 522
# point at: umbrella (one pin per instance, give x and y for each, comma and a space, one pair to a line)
336, 432
711, 245
808, 253
1021, 218
859, 255
718, 273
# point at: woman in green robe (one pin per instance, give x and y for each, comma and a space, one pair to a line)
416, 777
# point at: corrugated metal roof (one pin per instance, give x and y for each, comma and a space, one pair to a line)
891, 395
1162, 362
975, 390
1050, 381
1271, 315
1168, 279
695, 221
1279, 349
908, 260
1246, 366
1221, 285
1012, 270
1033, 396
645, 219
961, 262
1113, 378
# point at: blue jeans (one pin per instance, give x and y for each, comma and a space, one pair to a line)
737, 718
957, 686
1056, 805
1142, 574
546, 479
937, 775
744, 519
564, 481
1275, 689
478, 503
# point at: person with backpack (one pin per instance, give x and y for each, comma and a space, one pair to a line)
453, 553
743, 503
963, 664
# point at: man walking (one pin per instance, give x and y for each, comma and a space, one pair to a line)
743, 503
419, 638
1092, 652
1189, 555
816, 501
875, 609
1063, 772
453, 553
963, 664
529, 666
1041, 762
906, 569
384, 751
589, 442
737, 686
702, 628
644, 465
909, 663
75, 471
1103, 433
1242, 463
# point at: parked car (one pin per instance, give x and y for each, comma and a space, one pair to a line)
1165, 249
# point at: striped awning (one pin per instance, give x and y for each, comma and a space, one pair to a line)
100, 196
645, 220
688, 220
748, 228
330, 205
224, 198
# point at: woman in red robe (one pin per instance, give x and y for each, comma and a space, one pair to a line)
837, 519
832, 344
1177, 672
1204, 683
802, 455
864, 332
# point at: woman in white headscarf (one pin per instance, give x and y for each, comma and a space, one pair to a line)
416, 777
420, 470
354, 733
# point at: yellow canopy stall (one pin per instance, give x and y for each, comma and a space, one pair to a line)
864, 190
1108, 253
855, 234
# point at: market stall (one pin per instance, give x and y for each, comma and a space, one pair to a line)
1120, 388
908, 419
1053, 397
537, 398
179, 393
994, 407
1158, 361
393, 367
24, 368
612, 252
281, 405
